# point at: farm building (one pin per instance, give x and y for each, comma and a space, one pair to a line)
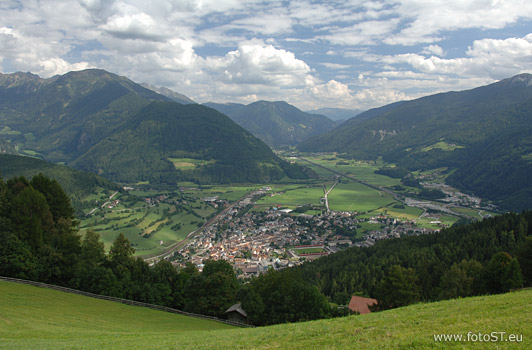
236, 314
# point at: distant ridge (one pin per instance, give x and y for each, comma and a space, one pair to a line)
337, 114
276, 123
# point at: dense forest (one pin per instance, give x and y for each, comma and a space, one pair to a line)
40, 241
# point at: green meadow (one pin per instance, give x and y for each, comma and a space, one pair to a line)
40, 318
36, 318
189, 163
153, 226
294, 195
442, 145
361, 170
354, 196
300, 251
406, 213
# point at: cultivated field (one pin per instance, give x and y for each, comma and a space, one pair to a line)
292, 196
152, 219
354, 196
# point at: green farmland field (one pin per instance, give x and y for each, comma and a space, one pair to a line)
362, 171
150, 227
294, 197
354, 196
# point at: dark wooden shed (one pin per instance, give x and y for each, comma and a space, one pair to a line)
236, 314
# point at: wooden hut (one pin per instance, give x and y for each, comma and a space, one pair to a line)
236, 314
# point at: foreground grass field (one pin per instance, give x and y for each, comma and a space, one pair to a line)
39, 318
35, 318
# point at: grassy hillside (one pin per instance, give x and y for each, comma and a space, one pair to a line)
39, 318
34, 318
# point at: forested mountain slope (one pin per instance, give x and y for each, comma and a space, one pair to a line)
276, 123
483, 133
104, 123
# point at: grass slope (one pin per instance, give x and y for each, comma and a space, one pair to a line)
36, 318
39, 318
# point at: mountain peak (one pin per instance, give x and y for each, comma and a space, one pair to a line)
524, 79
175, 96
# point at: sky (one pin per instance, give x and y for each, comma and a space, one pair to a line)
312, 54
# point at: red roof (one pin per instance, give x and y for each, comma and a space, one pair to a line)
361, 304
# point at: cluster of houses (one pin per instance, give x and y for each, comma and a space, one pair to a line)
153, 201
255, 241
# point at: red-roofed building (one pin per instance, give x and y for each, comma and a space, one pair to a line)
361, 305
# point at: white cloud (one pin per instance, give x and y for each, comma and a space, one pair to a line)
243, 50
365, 33
135, 26
433, 50
277, 22
335, 65
428, 19
332, 90
257, 63
27, 54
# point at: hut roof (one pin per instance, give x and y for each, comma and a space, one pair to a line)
237, 308
361, 304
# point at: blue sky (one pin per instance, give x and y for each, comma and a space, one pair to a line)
348, 54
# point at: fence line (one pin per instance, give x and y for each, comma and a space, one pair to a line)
122, 301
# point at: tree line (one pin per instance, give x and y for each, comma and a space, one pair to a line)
41, 242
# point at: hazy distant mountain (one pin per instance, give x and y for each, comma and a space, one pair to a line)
174, 96
483, 133
98, 121
337, 114
276, 123
226, 108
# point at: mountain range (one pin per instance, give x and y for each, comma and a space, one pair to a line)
337, 114
483, 136
98, 121
278, 123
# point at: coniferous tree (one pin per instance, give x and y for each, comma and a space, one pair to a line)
525, 260
398, 288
